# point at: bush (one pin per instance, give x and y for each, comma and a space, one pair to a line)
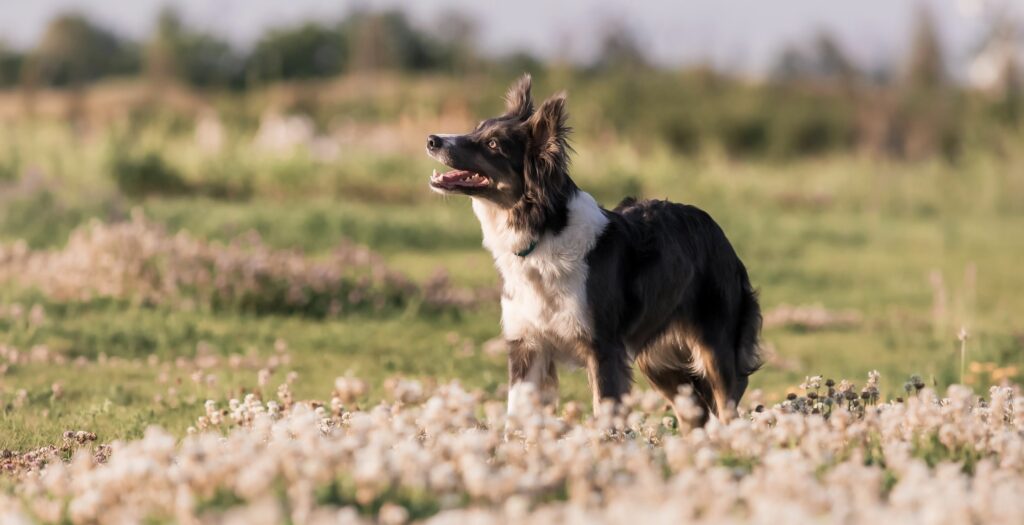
306, 51
145, 175
75, 50
141, 262
10, 66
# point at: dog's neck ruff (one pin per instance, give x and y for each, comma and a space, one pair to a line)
585, 223
544, 296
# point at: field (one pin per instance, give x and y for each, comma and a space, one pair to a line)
245, 248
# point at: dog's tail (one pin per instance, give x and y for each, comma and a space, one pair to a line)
748, 351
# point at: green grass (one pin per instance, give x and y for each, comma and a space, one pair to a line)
844, 232
115, 398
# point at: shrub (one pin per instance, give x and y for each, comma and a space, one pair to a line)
145, 175
141, 262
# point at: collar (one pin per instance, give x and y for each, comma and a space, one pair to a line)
529, 249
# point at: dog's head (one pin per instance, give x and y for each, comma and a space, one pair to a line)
516, 160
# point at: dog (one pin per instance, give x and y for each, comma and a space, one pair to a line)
650, 283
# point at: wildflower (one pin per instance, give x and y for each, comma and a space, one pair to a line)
391, 514
811, 383
263, 377
448, 444
572, 412
20, 398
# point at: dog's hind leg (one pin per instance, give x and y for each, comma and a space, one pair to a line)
667, 366
730, 355
748, 355
717, 363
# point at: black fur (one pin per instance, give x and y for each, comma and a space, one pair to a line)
661, 267
665, 289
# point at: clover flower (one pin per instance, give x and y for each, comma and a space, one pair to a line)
446, 450
139, 260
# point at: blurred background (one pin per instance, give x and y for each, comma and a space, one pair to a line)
202, 183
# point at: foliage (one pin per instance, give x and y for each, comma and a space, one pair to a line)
10, 65
73, 50
387, 41
308, 50
818, 100
925, 67
146, 174
140, 262
198, 58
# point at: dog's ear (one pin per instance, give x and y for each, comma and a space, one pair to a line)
549, 130
518, 102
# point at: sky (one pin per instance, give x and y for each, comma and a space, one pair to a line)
737, 35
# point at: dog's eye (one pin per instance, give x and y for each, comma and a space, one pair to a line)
493, 144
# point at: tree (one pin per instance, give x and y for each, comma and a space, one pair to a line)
925, 67
305, 51
161, 52
197, 58
10, 65
456, 36
791, 65
831, 61
620, 50
73, 51
825, 60
381, 41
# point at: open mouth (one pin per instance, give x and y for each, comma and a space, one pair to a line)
456, 179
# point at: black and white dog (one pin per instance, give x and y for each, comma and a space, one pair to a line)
652, 282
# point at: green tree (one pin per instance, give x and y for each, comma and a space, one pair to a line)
824, 60
926, 65
10, 65
386, 40
304, 51
197, 58
620, 50
74, 50
456, 35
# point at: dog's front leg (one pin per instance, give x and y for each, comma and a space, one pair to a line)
531, 372
608, 371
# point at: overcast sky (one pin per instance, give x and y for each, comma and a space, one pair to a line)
742, 35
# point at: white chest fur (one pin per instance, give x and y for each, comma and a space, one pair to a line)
544, 299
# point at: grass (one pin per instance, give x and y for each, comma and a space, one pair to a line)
844, 232
114, 394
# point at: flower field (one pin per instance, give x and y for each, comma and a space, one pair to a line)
836, 453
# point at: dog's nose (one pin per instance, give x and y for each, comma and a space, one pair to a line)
433, 142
